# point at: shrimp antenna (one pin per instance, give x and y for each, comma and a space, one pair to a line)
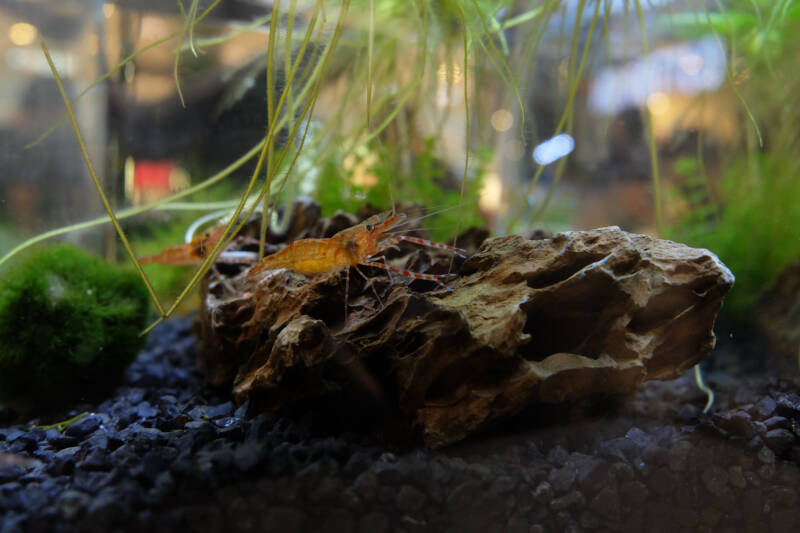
194, 226
434, 213
411, 230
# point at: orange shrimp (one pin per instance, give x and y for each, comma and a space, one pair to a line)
191, 253
351, 247
195, 251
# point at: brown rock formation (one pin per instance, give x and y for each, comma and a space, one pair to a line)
527, 321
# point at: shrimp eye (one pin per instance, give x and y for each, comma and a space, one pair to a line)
370, 227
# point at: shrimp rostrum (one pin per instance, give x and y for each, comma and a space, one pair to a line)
361, 244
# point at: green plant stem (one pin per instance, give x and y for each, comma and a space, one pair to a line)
698, 379
164, 202
527, 61
283, 223
370, 46
181, 35
574, 81
506, 73
64, 424
607, 56
273, 28
96, 181
572, 90
190, 23
467, 136
214, 41
116, 68
520, 19
706, 179
306, 113
227, 234
648, 117
399, 105
731, 81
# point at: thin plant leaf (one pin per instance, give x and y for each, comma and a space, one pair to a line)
522, 18
508, 75
273, 29
116, 68
164, 203
96, 181
370, 47
732, 83
467, 128
698, 379
227, 234
208, 42
190, 23
651, 139
498, 29
574, 77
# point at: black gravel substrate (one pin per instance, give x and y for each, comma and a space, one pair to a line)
167, 453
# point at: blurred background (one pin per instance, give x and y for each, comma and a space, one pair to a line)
673, 118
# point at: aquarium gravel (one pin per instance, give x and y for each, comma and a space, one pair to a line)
166, 453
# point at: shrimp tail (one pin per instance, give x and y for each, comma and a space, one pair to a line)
173, 256
268, 263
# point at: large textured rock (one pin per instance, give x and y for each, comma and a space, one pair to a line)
527, 321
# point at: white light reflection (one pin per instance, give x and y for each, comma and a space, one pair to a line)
691, 64
553, 149
687, 68
501, 120
22, 33
491, 198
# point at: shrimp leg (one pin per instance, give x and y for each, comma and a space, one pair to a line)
408, 274
371, 286
430, 244
382, 258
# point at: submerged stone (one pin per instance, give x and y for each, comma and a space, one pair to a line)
526, 322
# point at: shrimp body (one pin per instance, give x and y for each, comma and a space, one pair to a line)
195, 251
350, 247
307, 256
191, 253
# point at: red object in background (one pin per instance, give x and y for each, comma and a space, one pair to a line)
152, 175
148, 181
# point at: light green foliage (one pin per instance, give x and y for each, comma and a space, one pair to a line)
396, 50
417, 31
753, 221
756, 229
429, 182
69, 326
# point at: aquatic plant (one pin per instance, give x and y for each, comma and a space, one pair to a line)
428, 182
750, 216
308, 61
393, 56
70, 324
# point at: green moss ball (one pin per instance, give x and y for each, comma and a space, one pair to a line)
70, 324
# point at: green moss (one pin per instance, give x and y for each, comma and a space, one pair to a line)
69, 326
755, 231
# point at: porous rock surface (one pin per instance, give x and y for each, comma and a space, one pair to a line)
526, 322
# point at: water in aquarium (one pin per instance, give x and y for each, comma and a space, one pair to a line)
398, 266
